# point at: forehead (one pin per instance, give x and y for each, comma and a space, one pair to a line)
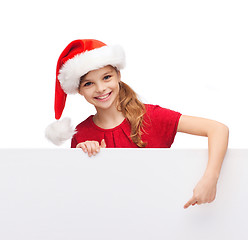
99, 71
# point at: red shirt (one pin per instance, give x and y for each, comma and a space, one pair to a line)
160, 128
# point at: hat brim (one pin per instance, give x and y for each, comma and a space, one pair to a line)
71, 72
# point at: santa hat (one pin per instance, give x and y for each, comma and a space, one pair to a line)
77, 59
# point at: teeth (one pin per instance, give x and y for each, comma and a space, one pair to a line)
103, 97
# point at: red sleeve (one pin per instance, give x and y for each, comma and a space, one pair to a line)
164, 123
73, 142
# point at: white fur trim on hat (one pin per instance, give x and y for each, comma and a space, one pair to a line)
60, 131
80, 64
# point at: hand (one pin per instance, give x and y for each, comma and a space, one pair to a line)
91, 147
204, 192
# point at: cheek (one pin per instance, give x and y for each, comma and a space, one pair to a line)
115, 86
80, 91
83, 93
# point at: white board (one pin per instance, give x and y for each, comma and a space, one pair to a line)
62, 194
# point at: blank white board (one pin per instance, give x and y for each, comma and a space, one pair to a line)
120, 194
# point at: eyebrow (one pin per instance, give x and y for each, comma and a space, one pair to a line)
84, 79
108, 72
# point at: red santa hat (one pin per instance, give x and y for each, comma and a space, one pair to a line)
77, 59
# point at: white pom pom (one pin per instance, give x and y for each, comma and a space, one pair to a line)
60, 131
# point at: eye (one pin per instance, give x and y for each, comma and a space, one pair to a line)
107, 77
87, 84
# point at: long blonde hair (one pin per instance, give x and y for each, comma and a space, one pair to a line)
133, 110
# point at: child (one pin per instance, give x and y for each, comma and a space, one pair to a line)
92, 69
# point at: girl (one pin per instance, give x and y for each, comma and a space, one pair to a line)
92, 69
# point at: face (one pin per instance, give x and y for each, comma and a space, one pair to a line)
101, 87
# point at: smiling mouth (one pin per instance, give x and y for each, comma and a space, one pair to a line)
103, 97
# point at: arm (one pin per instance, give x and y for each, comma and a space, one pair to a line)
217, 134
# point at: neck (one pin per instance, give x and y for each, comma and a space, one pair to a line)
108, 118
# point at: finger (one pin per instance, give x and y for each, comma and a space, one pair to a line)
192, 202
212, 198
95, 147
89, 148
82, 146
103, 144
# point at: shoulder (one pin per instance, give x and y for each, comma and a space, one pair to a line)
152, 108
86, 123
84, 130
156, 111
85, 126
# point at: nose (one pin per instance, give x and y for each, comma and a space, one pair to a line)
100, 87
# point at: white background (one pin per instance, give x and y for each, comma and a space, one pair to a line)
189, 56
